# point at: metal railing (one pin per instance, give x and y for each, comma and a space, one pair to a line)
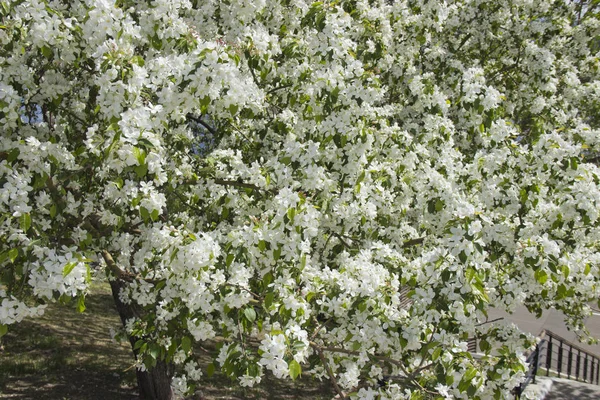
534, 361
570, 360
561, 357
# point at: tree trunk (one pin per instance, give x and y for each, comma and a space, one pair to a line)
155, 383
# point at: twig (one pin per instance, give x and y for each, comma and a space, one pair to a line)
397, 363
331, 375
185, 202
279, 88
241, 333
341, 239
244, 289
236, 184
413, 242
204, 124
318, 328
489, 322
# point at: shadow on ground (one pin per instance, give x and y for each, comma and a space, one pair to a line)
563, 389
66, 355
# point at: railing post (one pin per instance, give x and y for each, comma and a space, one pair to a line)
598, 372
578, 364
585, 367
560, 356
569, 361
549, 356
591, 369
536, 360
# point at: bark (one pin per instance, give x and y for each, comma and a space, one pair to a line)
155, 383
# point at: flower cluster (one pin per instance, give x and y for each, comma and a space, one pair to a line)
338, 189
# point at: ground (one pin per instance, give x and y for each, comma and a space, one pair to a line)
69, 355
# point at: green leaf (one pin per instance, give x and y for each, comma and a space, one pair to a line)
138, 60
541, 276
465, 382
68, 268
471, 373
205, 102
262, 245
145, 143
210, 369
295, 369
13, 254
561, 291
439, 205
154, 351
156, 42
431, 206
186, 344
6, 7
13, 154
81, 304
269, 297
360, 178
144, 214
229, 259
291, 213
277, 253
47, 52
25, 222
574, 162
485, 346
141, 170
250, 314
53, 211
140, 155
3, 330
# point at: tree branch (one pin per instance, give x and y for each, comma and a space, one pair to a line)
236, 184
331, 375
114, 268
413, 242
204, 124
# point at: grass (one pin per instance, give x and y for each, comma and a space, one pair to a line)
67, 355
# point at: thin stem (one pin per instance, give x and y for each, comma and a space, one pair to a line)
279, 88
244, 289
341, 240
489, 322
241, 333
413, 242
318, 328
236, 184
331, 375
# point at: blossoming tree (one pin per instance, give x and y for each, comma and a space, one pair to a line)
338, 189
